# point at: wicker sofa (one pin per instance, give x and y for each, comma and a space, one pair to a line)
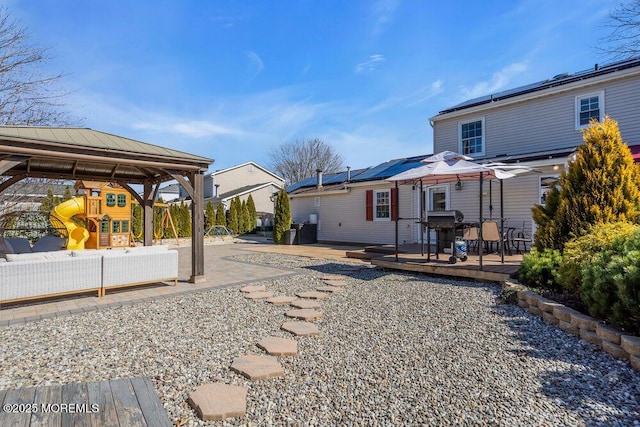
39, 275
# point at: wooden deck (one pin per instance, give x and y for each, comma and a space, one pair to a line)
123, 402
411, 259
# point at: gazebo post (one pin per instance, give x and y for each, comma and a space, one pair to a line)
148, 213
197, 228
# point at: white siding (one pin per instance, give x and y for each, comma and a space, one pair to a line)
342, 217
545, 123
242, 176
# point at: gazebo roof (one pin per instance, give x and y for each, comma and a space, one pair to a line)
81, 153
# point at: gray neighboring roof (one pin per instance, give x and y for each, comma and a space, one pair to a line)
558, 80
221, 171
89, 138
172, 188
243, 190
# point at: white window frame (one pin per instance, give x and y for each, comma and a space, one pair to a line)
316, 201
600, 95
375, 205
484, 137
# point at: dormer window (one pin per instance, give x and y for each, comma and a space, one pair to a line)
589, 106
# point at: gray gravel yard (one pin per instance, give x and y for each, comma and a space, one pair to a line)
394, 349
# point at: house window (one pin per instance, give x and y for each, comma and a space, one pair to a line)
317, 201
471, 137
122, 200
116, 226
104, 227
125, 226
590, 106
111, 200
382, 207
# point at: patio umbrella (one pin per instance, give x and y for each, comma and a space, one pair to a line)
446, 167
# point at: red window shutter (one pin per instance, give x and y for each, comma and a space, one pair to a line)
394, 204
369, 205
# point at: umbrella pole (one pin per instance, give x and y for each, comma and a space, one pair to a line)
396, 216
490, 199
501, 222
480, 225
421, 219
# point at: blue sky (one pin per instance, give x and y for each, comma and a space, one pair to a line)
231, 79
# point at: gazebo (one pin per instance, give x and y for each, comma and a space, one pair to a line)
87, 154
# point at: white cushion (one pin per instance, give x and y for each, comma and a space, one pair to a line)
147, 249
38, 256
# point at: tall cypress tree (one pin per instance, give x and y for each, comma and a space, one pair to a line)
253, 215
281, 217
233, 219
221, 218
210, 213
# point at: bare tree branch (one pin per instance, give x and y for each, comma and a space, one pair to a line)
28, 95
297, 160
624, 39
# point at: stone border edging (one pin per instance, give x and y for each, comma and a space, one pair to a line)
589, 329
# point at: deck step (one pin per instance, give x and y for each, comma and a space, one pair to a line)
362, 255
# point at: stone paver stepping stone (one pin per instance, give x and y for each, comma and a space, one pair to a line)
218, 401
304, 314
336, 282
305, 303
257, 367
330, 289
282, 300
277, 346
258, 295
301, 329
254, 288
313, 295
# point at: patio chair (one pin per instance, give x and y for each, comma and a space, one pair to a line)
521, 236
491, 235
470, 235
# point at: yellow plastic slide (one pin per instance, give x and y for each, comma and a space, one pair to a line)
63, 213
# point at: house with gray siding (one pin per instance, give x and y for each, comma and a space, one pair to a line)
537, 125
358, 206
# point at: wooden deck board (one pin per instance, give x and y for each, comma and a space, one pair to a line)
100, 394
47, 396
123, 402
152, 409
126, 403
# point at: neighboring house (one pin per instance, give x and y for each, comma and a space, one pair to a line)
357, 206
244, 180
28, 195
169, 193
537, 125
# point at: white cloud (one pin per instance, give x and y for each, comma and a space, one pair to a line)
371, 64
382, 14
499, 80
256, 64
188, 128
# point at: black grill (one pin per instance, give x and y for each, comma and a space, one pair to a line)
439, 220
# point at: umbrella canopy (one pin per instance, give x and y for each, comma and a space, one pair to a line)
448, 170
